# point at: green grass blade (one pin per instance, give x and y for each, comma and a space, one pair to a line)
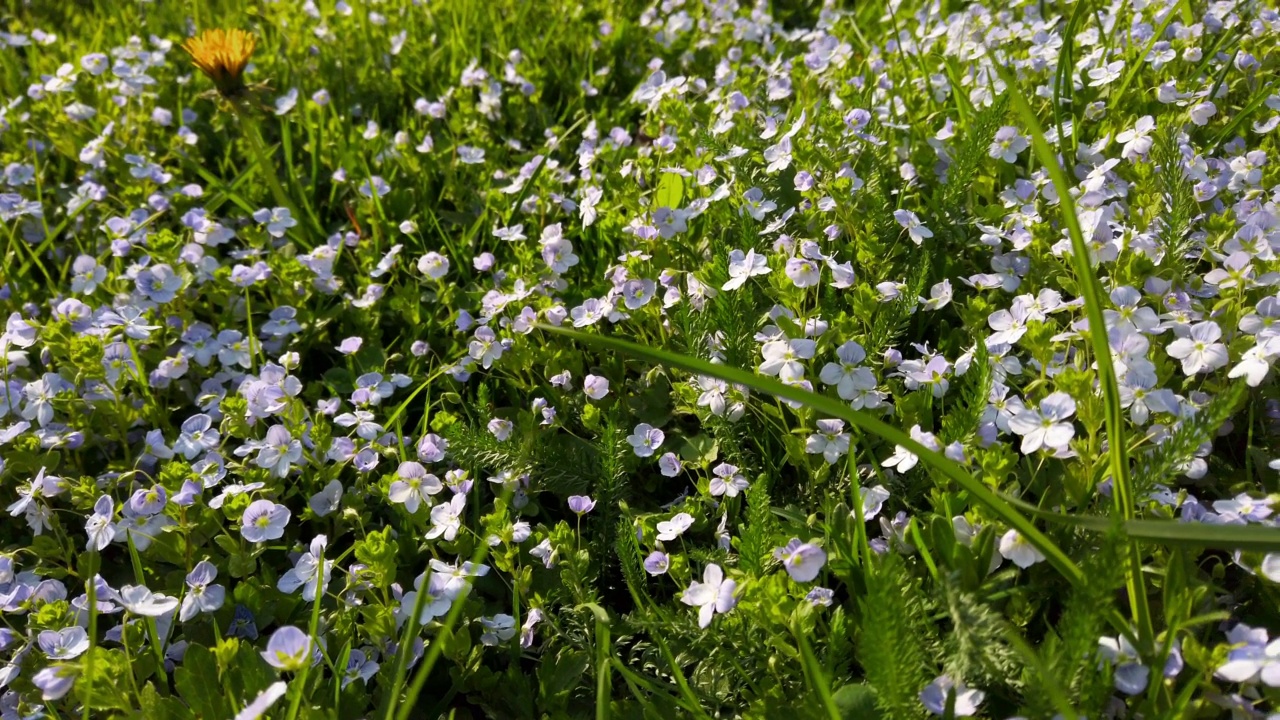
816, 676
1049, 684
1092, 293
1238, 119
1169, 533
604, 647
1138, 63
407, 705
681, 682
863, 421
313, 633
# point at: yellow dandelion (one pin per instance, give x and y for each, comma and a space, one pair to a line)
222, 55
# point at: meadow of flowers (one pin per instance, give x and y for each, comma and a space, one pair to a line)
707, 359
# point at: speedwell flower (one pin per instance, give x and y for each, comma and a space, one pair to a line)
803, 561
713, 595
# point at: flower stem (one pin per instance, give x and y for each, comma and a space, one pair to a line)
254, 138
91, 593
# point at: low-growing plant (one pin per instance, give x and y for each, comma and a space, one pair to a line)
702, 359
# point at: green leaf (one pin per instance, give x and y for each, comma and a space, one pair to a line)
699, 448
856, 702
227, 543
562, 673
106, 690
339, 380
670, 191
246, 673
601, 615
197, 682
155, 707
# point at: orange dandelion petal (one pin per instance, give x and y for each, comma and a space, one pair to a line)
222, 55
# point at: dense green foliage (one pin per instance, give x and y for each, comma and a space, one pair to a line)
704, 359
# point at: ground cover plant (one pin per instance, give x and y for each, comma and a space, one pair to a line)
408, 358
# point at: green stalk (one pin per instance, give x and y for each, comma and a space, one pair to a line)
1139, 62
406, 642
295, 703
814, 674
259, 149
435, 648
681, 682
268, 168
91, 592
603, 667
152, 631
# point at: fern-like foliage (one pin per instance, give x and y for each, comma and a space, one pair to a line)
1167, 459
610, 489
1070, 650
1173, 223
961, 420
896, 641
757, 535
734, 316
562, 464
628, 548
976, 649
970, 156
565, 465
892, 320
840, 649
479, 449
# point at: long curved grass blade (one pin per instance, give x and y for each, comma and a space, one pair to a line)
1122, 487
863, 421
1249, 538
816, 676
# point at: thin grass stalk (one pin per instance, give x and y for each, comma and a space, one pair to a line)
259, 150
434, 650
1122, 487
295, 703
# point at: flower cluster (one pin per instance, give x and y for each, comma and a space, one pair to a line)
316, 393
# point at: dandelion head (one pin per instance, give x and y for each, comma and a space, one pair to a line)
222, 55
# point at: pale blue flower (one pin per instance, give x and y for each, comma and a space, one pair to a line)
803, 561
936, 696
645, 439
310, 572
202, 595
288, 649
264, 520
